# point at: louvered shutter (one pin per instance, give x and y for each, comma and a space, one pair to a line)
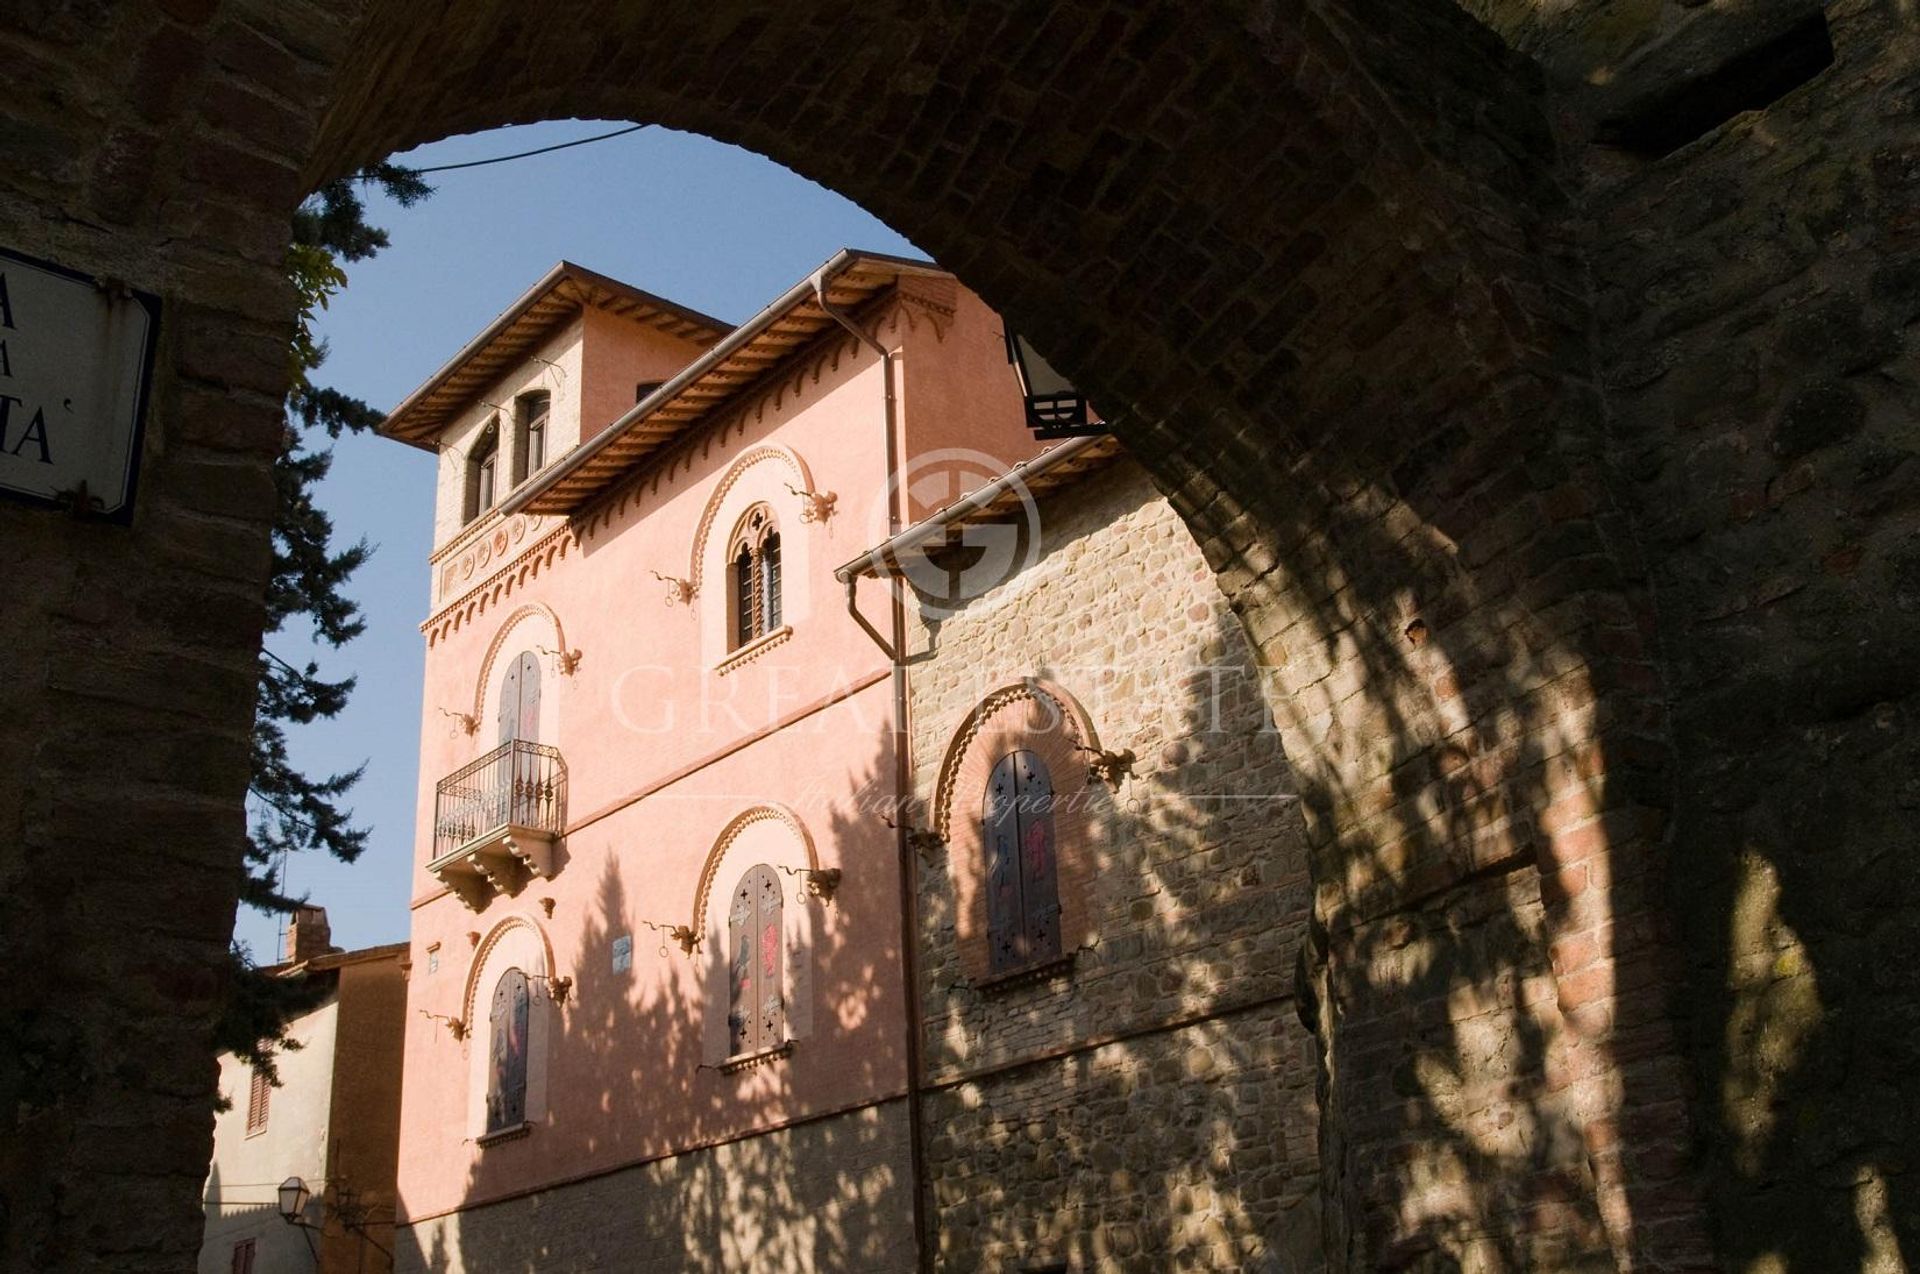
529, 725
259, 1092
1006, 929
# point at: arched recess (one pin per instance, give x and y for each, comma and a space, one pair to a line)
536, 613
774, 836
517, 942
766, 475
1044, 719
796, 473
1055, 704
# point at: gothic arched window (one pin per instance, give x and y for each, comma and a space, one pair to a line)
507, 1067
756, 1001
1023, 883
753, 577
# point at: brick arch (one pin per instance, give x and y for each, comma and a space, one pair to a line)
1059, 705
1044, 718
1308, 252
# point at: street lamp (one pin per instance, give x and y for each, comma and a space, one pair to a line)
293, 1200
1055, 409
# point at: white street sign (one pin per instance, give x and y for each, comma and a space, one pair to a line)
76, 360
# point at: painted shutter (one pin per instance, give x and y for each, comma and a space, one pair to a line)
1006, 928
507, 1074
740, 970
757, 1010
770, 958
1039, 867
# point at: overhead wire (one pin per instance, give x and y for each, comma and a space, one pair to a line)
525, 154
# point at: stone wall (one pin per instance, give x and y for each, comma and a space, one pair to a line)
828, 1194
1757, 295
1152, 1107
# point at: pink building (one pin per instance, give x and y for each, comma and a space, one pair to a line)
658, 1003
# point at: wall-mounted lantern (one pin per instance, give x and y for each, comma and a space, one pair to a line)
1055, 409
294, 1197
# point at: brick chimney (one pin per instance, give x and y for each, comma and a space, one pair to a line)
307, 935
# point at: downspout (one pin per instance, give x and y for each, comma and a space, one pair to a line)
902, 777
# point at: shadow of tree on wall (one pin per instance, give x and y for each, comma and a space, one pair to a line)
628, 1049
1151, 1110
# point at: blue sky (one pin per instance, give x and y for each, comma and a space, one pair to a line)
712, 226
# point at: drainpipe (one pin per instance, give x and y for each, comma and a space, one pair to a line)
902, 776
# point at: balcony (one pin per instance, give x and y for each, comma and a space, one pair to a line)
496, 819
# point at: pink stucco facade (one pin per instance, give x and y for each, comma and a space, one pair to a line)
687, 761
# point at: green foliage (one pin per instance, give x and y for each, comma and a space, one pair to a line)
294, 811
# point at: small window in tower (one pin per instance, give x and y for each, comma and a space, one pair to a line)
623, 953
530, 412
645, 387
483, 471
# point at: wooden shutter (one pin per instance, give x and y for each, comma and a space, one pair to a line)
520, 699
509, 717
1006, 927
1039, 869
770, 957
529, 727
740, 971
243, 1257
258, 1092
757, 1016
507, 1073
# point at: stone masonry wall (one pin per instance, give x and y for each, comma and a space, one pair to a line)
829, 1194
1758, 293
1153, 1108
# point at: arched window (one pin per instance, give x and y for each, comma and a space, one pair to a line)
530, 434
520, 699
753, 570
483, 471
507, 1056
1023, 884
756, 1003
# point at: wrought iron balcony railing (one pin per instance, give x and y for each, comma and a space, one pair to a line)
496, 818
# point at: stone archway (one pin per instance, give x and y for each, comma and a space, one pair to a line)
1309, 250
